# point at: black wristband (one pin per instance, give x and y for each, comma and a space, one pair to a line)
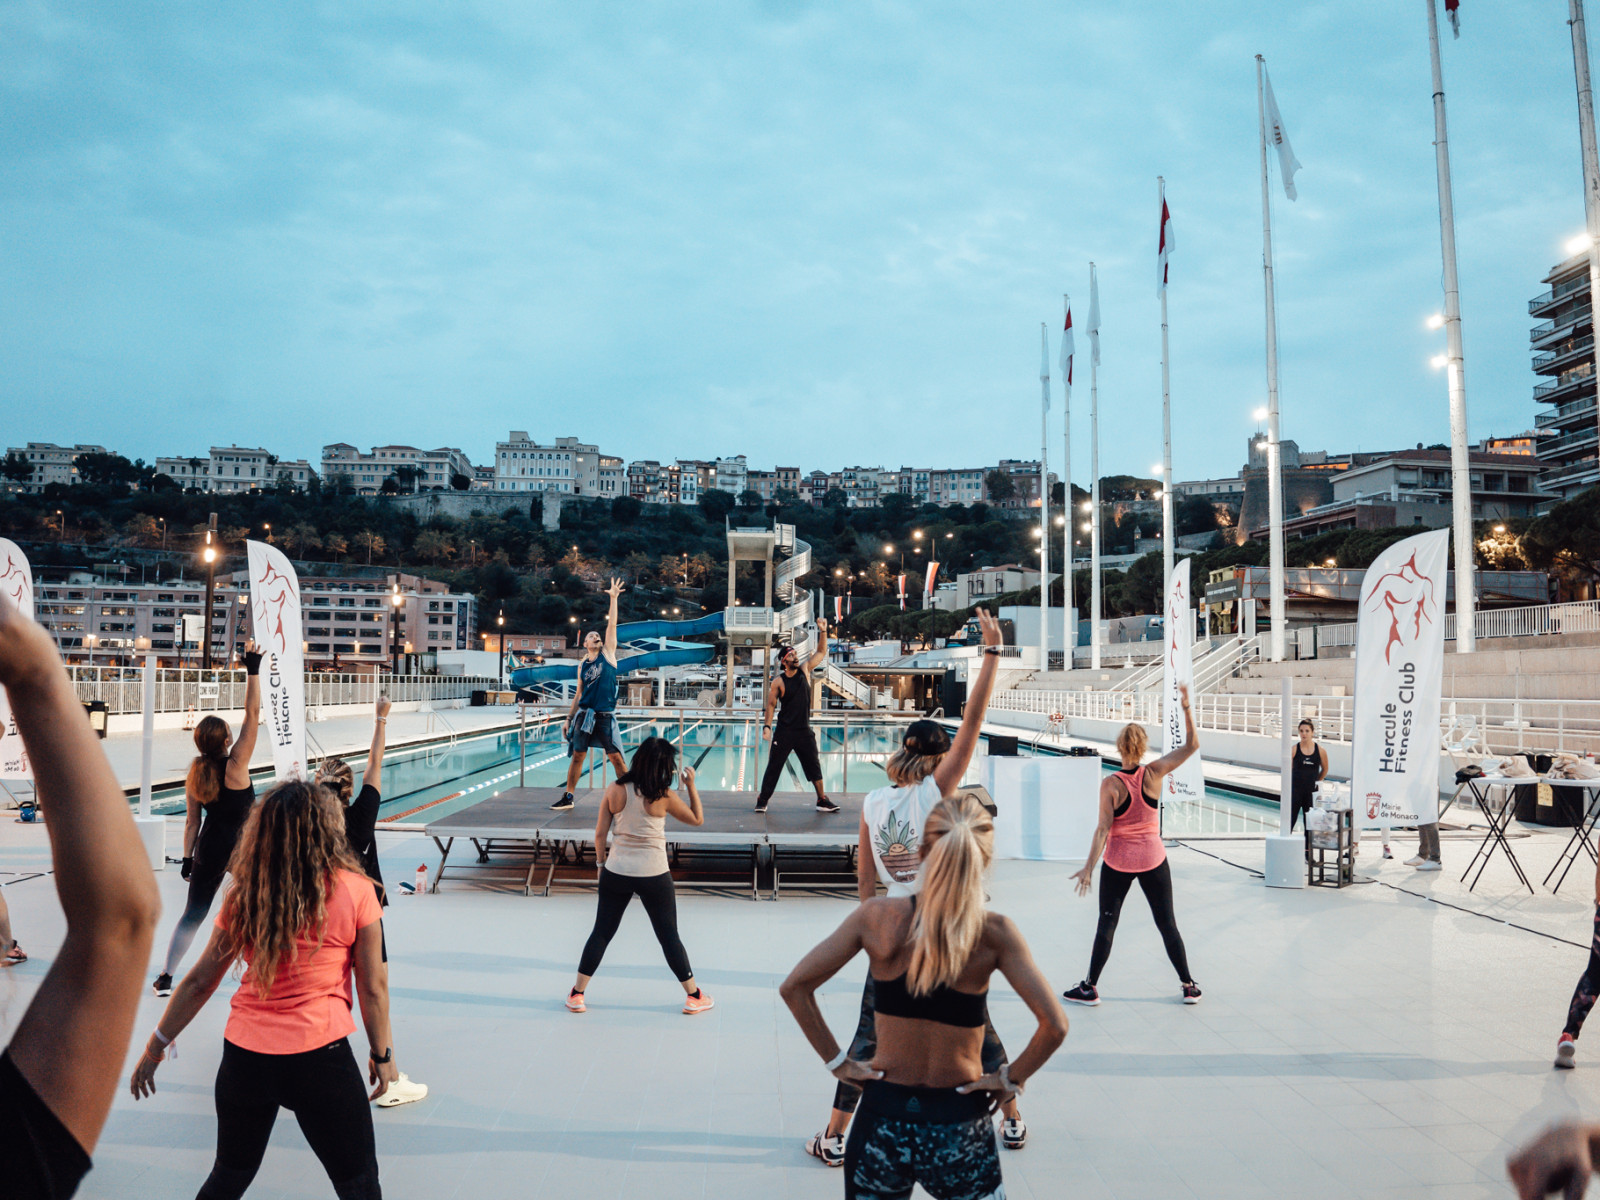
994, 650
252, 663
388, 1056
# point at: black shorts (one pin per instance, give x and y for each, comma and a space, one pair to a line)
936, 1137
603, 734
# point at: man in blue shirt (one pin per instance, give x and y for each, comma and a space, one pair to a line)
592, 719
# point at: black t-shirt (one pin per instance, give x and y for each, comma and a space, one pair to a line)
360, 830
39, 1159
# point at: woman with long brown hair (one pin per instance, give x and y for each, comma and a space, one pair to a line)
217, 796
300, 915
926, 1103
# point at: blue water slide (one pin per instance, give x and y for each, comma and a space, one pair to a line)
675, 654
635, 631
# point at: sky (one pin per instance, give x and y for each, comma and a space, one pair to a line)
819, 235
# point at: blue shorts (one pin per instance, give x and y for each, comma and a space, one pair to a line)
602, 733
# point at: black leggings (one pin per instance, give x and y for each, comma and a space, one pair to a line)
865, 1045
1583, 996
801, 742
325, 1091
1157, 886
660, 902
203, 885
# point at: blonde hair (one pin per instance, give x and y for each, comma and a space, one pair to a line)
958, 841
1132, 742
335, 775
907, 767
287, 859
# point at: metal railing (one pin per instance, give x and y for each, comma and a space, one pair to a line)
1225, 662
1533, 620
1504, 726
1114, 654
1556, 293
180, 689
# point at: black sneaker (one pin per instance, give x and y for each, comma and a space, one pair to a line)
163, 984
824, 805
567, 801
761, 807
1085, 993
1191, 993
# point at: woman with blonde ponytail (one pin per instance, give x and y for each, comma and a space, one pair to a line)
927, 1097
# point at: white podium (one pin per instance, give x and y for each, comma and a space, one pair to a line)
153, 832
1286, 861
1048, 807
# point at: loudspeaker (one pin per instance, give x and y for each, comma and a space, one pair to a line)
1002, 745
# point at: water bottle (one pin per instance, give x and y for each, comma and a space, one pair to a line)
422, 879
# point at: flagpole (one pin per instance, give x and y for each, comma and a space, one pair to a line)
1455, 367
1274, 449
1094, 483
1068, 638
1591, 169
1044, 499
1167, 540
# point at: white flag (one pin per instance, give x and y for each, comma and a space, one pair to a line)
16, 584
1394, 752
1067, 349
1188, 782
1278, 136
1163, 243
275, 615
1094, 316
1044, 363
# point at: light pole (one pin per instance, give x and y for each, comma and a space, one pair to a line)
61, 527
89, 641
396, 601
209, 553
163, 521
501, 622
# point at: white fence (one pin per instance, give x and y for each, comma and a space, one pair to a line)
1504, 726
1534, 620
180, 689
1117, 654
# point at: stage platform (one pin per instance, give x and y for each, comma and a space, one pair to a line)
519, 823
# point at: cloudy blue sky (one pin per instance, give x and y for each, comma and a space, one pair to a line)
815, 234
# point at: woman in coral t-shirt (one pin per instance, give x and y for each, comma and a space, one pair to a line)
301, 916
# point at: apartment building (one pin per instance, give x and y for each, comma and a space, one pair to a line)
351, 621
963, 485
1563, 349
425, 470
731, 475
566, 465
51, 463
229, 470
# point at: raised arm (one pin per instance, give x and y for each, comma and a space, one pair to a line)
821, 656
610, 647
70, 1043
799, 992
188, 998
691, 813
1167, 763
1108, 813
1016, 964
954, 765
237, 774
380, 736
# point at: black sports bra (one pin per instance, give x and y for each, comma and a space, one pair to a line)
1123, 807
945, 1005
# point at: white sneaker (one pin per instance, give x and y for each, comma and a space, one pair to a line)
1429, 865
1387, 853
829, 1149
1013, 1134
402, 1091
1416, 860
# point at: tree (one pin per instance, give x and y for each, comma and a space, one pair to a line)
406, 476
142, 530
1000, 486
637, 567
301, 539
16, 468
460, 482
750, 499
626, 510
700, 568
552, 612
105, 470
1566, 540
878, 578
897, 510
835, 498
672, 569
715, 506
1195, 515
433, 544
874, 622
370, 543
335, 545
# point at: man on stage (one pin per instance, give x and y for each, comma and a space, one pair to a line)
791, 694
592, 720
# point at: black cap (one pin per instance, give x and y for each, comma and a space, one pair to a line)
927, 737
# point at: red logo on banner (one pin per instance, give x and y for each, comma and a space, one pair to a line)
1408, 595
1372, 804
277, 602
14, 581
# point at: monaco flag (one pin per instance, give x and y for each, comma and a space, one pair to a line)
1164, 243
1067, 349
16, 584
1452, 10
1188, 782
1394, 751
275, 616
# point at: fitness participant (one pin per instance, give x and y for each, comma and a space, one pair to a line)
927, 1095
592, 719
636, 864
791, 693
302, 916
1130, 835
13, 951
218, 795
1583, 996
1307, 768
360, 830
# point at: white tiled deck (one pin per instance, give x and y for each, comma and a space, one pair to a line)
1358, 1043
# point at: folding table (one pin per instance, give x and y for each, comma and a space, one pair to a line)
1498, 824
1583, 828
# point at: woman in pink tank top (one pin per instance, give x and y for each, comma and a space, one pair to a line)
1129, 836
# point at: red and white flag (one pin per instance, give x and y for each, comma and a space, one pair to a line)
1452, 10
1164, 243
838, 610
902, 591
1067, 348
933, 571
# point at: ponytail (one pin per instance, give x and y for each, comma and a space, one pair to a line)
206, 772
958, 846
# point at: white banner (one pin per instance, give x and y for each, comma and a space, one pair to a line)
16, 582
275, 615
1394, 771
1188, 782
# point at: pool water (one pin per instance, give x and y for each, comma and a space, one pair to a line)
425, 783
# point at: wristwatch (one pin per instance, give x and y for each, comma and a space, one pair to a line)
388, 1056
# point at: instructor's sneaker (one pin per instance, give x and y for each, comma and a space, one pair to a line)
1566, 1052
1431, 864
700, 1002
1085, 993
575, 1002
402, 1091
761, 804
567, 801
1416, 860
1191, 993
163, 985
1014, 1134
824, 805
829, 1149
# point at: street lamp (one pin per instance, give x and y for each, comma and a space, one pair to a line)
397, 601
163, 522
61, 527
209, 554
89, 641
1499, 528
501, 622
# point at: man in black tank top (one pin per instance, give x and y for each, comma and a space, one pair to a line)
791, 694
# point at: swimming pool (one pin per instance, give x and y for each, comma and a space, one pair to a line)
424, 783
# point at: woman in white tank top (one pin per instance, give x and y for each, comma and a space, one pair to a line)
635, 864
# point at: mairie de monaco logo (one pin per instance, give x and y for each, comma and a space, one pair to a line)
1409, 597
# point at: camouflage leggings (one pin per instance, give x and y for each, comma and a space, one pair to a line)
1583, 996
935, 1137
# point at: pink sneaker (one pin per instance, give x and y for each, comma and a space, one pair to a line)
698, 1004
575, 1002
